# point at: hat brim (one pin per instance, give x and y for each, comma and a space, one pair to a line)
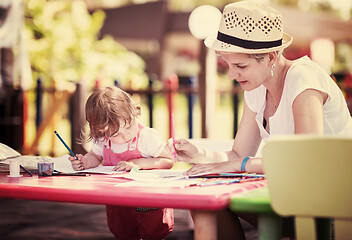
213, 43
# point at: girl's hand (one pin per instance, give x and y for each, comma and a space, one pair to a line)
124, 166
185, 150
77, 164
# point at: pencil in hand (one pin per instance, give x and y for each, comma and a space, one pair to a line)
173, 133
67, 147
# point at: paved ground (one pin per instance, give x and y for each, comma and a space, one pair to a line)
34, 220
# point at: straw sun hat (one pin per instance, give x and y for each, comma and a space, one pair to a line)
249, 27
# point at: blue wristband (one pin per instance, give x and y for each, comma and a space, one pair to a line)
243, 165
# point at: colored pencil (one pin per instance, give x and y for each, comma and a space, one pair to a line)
67, 147
24, 169
70, 174
173, 133
226, 175
228, 181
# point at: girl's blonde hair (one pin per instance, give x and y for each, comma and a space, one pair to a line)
106, 108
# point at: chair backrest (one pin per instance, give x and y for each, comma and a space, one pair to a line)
308, 177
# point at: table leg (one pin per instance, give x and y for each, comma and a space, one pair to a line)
269, 227
205, 227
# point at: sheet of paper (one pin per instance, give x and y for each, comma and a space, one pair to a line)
101, 169
155, 175
158, 178
62, 164
165, 183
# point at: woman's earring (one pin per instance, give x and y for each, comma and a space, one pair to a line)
272, 70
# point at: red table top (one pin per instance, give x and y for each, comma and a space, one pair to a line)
101, 189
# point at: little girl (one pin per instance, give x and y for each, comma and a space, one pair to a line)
119, 140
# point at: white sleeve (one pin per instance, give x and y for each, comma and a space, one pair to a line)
97, 147
150, 142
304, 77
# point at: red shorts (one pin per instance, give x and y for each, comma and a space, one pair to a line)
130, 223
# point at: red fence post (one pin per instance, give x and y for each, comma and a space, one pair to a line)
171, 84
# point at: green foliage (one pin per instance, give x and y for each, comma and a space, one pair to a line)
343, 58
62, 40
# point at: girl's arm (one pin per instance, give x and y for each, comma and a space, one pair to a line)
163, 161
91, 160
144, 163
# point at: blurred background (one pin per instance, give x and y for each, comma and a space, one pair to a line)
53, 53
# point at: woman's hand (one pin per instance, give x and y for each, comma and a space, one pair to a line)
77, 164
124, 166
219, 167
185, 150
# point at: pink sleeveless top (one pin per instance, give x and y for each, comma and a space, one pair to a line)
132, 152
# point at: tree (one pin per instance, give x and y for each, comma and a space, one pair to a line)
63, 45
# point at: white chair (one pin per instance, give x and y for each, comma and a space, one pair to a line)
310, 177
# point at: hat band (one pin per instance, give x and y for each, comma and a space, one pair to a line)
247, 43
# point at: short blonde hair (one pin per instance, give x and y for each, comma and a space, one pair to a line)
260, 56
105, 108
257, 56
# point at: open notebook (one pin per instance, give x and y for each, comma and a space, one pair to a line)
62, 164
27, 161
6, 152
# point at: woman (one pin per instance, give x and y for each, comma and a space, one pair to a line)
280, 96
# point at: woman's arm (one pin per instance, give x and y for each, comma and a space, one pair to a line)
308, 119
308, 112
246, 143
248, 137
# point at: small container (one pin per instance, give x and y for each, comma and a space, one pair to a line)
45, 168
14, 168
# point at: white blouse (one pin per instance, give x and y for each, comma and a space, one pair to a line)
303, 74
